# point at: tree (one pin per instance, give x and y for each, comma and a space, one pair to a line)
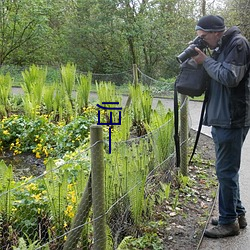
108, 36
101, 36
20, 22
237, 12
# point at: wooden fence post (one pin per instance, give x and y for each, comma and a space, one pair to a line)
98, 195
135, 82
135, 74
80, 218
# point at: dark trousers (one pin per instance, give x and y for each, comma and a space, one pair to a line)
228, 145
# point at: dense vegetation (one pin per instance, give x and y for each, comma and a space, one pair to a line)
53, 124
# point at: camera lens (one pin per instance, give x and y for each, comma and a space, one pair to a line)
187, 53
190, 50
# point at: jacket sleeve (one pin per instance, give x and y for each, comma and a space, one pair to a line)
230, 70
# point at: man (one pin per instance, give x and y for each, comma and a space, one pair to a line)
228, 112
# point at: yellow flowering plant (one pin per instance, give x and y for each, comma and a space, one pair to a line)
30, 205
43, 137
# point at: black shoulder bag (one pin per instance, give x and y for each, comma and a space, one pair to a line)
191, 81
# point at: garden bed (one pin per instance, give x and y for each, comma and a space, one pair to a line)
178, 222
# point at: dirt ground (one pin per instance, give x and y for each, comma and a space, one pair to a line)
187, 223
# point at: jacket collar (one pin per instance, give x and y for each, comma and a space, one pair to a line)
231, 32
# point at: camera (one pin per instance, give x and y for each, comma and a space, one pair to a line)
190, 51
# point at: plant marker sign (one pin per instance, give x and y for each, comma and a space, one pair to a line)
110, 120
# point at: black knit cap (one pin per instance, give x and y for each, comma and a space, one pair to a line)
210, 23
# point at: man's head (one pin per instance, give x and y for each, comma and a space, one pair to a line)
211, 28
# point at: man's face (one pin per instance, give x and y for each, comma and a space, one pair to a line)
211, 38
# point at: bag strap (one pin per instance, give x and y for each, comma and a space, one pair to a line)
176, 126
199, 127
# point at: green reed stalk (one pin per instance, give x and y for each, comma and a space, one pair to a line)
6, 184
5, 90
62, 106
126, 171
56, 184
141, 103
33, 85
68, 74
106, 92
161, 126
83, 90
48, 98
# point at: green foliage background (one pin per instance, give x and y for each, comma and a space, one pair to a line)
106, 36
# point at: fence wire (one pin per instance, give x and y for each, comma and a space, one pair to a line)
44, 210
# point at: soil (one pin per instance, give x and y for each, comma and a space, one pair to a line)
25, 164
186, 223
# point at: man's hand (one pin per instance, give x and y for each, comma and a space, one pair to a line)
200, 58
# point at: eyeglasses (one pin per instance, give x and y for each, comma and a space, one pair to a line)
203, 36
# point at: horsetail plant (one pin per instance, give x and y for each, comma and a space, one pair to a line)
106, 92
5, 89
48, 98
161, 129
56, 184
6, 184
137, 176
126, 172
141, 105
68, 74
83, 90
62, 106
33, 85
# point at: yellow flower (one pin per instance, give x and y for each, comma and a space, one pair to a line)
37, 196
6, 132
73, 199
45, 151
14, 209
17, 152
31, 187
38, 156
69, 211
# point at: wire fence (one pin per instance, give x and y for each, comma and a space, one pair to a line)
57, 209
158, 87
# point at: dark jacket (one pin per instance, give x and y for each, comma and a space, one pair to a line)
228, 103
